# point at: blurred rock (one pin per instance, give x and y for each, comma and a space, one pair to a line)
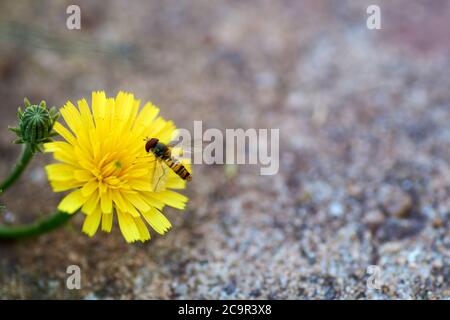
395, 202
374, 217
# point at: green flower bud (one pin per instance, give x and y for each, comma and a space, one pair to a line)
35, 124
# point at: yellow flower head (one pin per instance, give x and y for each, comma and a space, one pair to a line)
103, 158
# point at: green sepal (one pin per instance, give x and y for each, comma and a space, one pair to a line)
14, 129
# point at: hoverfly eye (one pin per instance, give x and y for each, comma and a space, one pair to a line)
151, 144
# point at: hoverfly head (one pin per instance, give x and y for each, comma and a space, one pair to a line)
150, 144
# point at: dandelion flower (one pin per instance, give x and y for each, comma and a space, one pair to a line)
97, 161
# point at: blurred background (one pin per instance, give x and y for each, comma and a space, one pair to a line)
364, 122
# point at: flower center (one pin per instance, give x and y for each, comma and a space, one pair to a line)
118, 164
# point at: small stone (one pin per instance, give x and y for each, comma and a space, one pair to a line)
303, 197
37, 175
374, 217
53, 284
91, 296
354, 190
395, 202
330, 293
266, 80
437, 222
230, 288
438, 264
255, 293
283, 281
181, 290
336, 209
9, 217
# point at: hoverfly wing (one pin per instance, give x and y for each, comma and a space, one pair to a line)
159, 176
185, 148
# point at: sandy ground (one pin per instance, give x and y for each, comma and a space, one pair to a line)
364, 122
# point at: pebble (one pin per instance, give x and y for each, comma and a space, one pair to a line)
181, 290
336, 209
395, 201
9, 217
91, 296
230, 288
37, 175
374, 217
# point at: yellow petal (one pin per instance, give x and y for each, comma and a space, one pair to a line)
175, 183
144, 235
89, 187
85, 113
141, 184
106, 202
72, 202
137, 173
166, 132
128, 226
148, 197
71, 116
137, 201
56, 145
123, 204
82, 175
65, 153
63, 132
92, 222
91, 204
98, 104
145, 117
171, 198
107, 221
59, 172
157, 221
59, 186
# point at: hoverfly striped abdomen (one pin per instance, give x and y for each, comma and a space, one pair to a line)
164, 153
178, 168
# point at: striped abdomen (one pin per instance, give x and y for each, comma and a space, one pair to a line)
178, 168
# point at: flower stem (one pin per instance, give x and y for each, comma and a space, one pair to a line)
21, 164
44, 225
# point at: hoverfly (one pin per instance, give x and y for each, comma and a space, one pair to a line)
163, 153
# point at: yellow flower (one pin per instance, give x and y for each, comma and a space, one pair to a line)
99, 159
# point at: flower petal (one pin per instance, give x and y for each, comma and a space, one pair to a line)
60, 172
137, 201
92, 222
171, 198
106, 202
128, 226
59, 186
63, 132
82, 175
157, 221
89, 187
91, 204
107, 222
175, 183
72, 202
144, 235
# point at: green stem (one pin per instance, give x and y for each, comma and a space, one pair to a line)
44, 225
21, 164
